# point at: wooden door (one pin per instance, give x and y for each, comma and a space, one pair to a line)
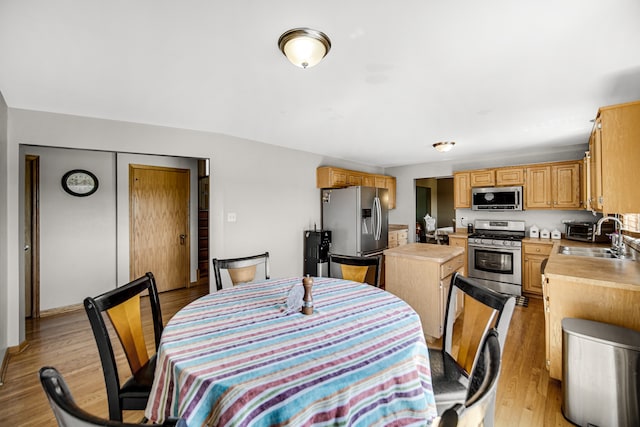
159, 224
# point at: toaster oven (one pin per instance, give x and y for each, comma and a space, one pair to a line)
586, 231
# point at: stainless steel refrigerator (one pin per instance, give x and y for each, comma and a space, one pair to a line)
357, 218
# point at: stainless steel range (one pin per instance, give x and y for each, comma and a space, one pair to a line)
495, 254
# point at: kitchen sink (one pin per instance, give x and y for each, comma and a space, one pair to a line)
595, 252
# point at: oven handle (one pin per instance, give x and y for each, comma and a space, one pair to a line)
501, 248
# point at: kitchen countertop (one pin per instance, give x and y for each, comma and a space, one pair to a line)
396, 227
436, 253
608, 272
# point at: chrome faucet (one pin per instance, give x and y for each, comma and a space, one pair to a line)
617, 241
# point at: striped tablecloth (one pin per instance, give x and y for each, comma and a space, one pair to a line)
237, 358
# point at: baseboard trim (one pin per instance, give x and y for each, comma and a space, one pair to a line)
60, 310
7, 356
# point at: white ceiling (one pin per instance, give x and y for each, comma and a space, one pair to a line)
493, 75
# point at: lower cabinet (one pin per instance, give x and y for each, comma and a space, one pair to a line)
533, 254
423, 283
398, 237
460, 241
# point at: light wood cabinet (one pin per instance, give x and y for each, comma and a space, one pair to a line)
330, 177
568, 296
327, 177
533, 254
420, 274
554, 186
354, 179
615, 156
506, 177
483, 178
460, 241
462, 190
390, 185
397, 236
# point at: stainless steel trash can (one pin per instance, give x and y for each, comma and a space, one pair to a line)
600, 374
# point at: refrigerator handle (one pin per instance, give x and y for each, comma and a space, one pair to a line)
378, 218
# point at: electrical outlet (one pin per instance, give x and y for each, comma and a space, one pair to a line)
231, 217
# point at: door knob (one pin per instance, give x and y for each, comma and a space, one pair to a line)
26, 248
182, 238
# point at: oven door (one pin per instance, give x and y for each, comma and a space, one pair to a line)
501, 265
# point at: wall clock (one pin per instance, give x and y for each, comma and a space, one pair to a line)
80, 183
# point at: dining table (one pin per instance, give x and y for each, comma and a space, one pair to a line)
247, 356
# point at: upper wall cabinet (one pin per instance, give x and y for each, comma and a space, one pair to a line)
506, 177
613, 160
554, 186
461, 190
483, 178
330, 177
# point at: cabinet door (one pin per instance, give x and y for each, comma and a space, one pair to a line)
532, 275
595, 167
461, 190
618, 134
538, 190
565, 185
329, 177
533, 254
390, 185
585, 182
509, 176
354, 178
483, 178
460, 242
393, 239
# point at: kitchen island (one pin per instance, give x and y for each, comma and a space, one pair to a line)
599, 289
420, 274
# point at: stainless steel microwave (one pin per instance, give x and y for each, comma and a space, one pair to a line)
496, 199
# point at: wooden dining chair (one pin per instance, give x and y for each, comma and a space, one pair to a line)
465, 328
482, 392
241, 270
69, 414
123, 307
356, 268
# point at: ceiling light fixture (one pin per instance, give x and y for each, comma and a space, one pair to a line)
304, 47
444, 146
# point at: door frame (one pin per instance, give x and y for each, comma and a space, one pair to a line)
32, 210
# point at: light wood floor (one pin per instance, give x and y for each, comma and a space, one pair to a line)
526, 395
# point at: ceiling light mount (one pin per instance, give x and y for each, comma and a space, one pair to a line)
444, 146
304, 47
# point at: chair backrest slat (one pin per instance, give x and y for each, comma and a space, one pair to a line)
496, 314
356, 268
126, 319
241, 270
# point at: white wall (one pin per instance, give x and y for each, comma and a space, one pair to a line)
406, 176
271, 189
77, 234
4, 236
92, 231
